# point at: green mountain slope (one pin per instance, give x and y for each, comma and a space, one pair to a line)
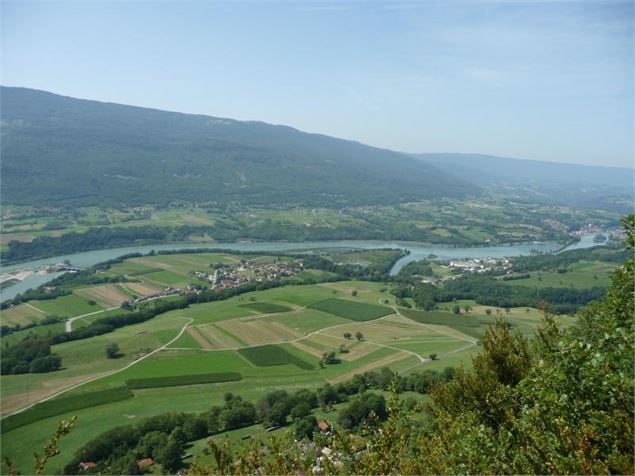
61, 150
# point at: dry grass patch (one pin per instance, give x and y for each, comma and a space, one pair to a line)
202, 341
358, 350
109, 295
307, 349
21, 314
385, 362
142, 289
217, 338
259, 332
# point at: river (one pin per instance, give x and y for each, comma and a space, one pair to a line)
418, 251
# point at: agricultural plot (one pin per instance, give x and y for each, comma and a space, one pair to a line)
66, 306
296, 295
272, 355
142, 289
167, 278
266, 307
578, 276
387, 361
109, 295
131, 267
210, 336
365, 291
256, 332
182, 380
307, 320
63, 405
21, 314
352, 310
385, 331
84, 359
471, 325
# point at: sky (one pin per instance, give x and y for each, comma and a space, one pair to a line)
533, 79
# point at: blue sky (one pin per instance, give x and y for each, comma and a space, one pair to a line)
544, 80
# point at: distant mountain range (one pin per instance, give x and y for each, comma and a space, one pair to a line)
582, 185
58, 150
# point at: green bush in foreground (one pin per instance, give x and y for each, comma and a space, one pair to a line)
64, 405
178, 380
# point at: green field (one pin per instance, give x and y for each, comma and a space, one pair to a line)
268, 355
21, 314
578, 276
472, 325
66, 306
266, 307
354, 311
62, 405
182, 380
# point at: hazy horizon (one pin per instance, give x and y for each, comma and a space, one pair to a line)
546, 81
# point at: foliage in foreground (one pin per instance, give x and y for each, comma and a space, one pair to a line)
559, 404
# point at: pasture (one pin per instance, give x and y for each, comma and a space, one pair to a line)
266, 307
66, 306
21, 314
110, 295
268, 355
578, 276
355, 311
183, 380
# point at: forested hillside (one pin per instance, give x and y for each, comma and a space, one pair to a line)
609, 188
59, 150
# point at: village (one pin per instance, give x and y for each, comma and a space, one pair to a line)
226, 276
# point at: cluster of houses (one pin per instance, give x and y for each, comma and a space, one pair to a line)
168, 291
232, 275
481, 265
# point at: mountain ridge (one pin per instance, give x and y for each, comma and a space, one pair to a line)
101, 148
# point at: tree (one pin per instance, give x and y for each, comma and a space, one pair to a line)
354, 292
456, 309
301, 410
347, 335
359, 336
488, 312
169, 456
305, 428
112, 350
127, 305
433, 356
45, 364
277, 415
329, 357
467, 308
